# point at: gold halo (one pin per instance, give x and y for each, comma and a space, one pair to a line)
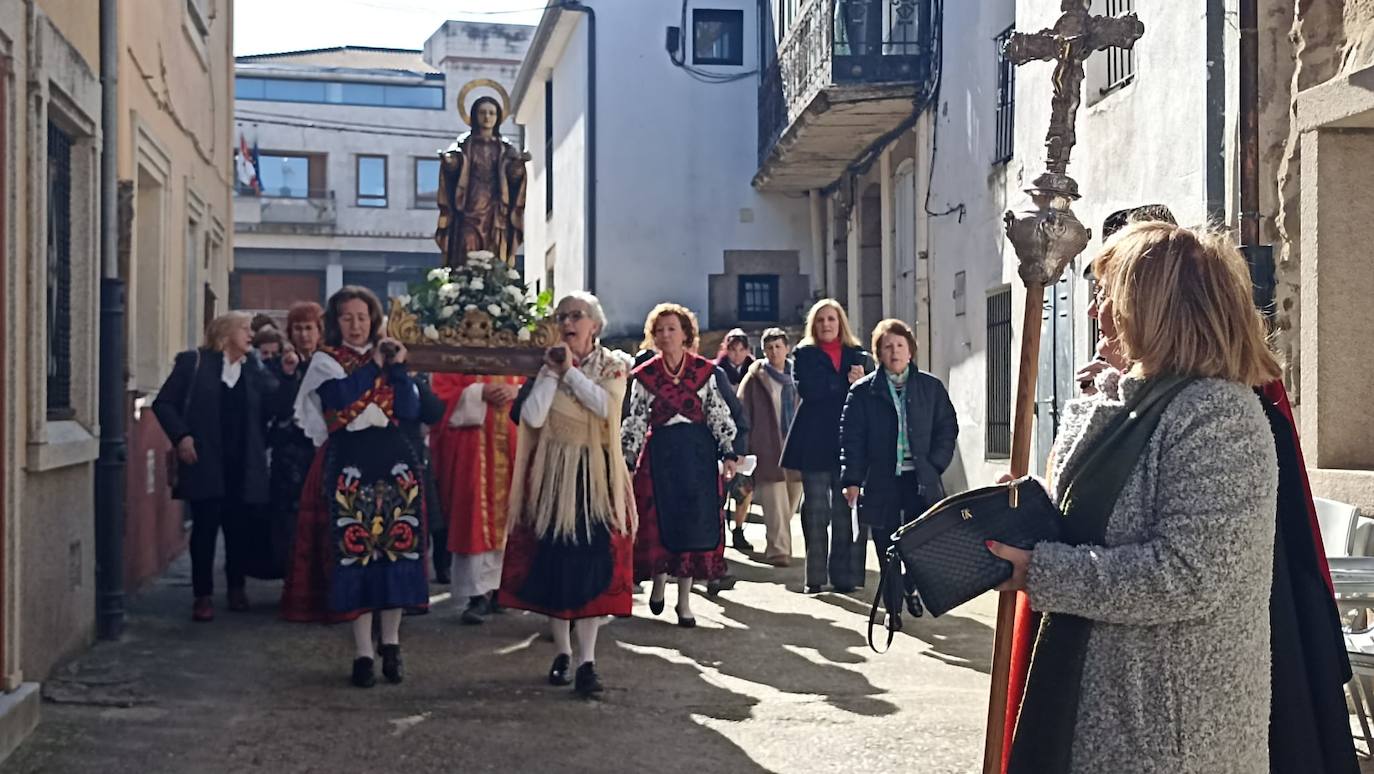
489, 83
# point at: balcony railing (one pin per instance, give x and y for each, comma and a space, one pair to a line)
318, 209
838, 43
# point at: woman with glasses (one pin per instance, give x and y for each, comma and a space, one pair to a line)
570, 551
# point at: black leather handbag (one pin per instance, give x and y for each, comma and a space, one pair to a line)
945, 553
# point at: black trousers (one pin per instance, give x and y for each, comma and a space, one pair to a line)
912, 504
208, 517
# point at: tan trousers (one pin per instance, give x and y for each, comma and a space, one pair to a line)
779, 500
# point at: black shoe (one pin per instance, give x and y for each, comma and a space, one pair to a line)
391, 663
656, 606
558, 673
442, 577
712, 589
475, 612
588, 683
686, 623
362, 673
812, 590
913, 605
494, 607
739, 543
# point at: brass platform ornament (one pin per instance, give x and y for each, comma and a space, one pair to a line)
477, 318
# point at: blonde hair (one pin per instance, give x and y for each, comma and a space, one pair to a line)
847, 336
1182, 304
684, 315
218, 330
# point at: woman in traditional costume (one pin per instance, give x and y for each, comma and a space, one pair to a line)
677, 433
570, 552
361, 531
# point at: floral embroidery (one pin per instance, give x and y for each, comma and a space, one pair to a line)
379, 521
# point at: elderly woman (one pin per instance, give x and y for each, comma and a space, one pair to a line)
570, 551
828, 360
360, 538
212, 409
677, 434
897, 437
1154, 653
769, 396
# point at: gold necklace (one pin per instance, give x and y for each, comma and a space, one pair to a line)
675, 373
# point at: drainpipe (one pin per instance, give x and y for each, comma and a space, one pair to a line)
1215, 127
109, 468
576, 5
1259, 256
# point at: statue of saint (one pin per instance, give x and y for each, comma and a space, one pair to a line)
481, 190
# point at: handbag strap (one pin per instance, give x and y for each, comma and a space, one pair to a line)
889, 579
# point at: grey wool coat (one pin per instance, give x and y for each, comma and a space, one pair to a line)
1176, 673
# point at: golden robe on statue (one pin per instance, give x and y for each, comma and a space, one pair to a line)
481, 198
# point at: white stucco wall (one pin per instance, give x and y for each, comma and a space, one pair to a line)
675, 159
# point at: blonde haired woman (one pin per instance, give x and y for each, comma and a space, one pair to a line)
828, 360
677, 431
570, 552
1154, 654
212, 408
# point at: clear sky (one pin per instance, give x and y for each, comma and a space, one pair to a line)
267, 26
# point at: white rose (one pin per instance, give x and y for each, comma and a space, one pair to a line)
513, 274
403, 299
470, 308
448, 291
447, 312
494, 310
438, 275
515, 292
477, 284
481, 255
431, 332
523, 334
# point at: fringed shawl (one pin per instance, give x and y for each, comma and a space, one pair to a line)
545, 492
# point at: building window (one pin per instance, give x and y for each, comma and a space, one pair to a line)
59, 274
758, 298
426, 181
1111, 69
997, 441
548, 147
372, 181
1006, 100
717, 37
292, 176
340, 92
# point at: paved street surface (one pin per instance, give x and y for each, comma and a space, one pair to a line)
771, 680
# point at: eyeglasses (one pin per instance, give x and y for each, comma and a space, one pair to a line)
576, 315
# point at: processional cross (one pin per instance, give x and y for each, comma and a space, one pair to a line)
1046, 238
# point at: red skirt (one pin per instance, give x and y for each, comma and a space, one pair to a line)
305, 594
650, 556
523, 549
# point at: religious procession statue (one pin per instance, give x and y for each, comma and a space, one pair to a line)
481, 186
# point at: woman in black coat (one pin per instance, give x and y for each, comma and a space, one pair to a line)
212, 408
826, 363
899, 472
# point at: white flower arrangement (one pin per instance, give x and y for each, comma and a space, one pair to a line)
482, 283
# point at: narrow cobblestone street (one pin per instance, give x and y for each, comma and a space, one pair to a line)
771, 680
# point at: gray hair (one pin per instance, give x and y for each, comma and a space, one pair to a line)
592, 303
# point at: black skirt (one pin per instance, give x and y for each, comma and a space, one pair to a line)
683, 461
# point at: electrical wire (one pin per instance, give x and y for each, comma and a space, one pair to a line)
299, 124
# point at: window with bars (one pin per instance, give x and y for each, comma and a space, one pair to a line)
548, 147
1006, 100
758, 298
997, 439
1120, 62
59, 274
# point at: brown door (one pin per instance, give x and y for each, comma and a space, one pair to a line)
278, 291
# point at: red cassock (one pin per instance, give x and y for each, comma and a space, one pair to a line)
1028, 621
472, 467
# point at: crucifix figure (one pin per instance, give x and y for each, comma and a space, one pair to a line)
1074, 37
1046, 238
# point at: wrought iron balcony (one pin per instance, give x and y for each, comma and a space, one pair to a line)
846, 71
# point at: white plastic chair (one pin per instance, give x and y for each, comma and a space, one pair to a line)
1338, 521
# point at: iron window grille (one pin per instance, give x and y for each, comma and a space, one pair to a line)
59, 274
717, 37
1120, 61
1006, 101
758, 298
997, 439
